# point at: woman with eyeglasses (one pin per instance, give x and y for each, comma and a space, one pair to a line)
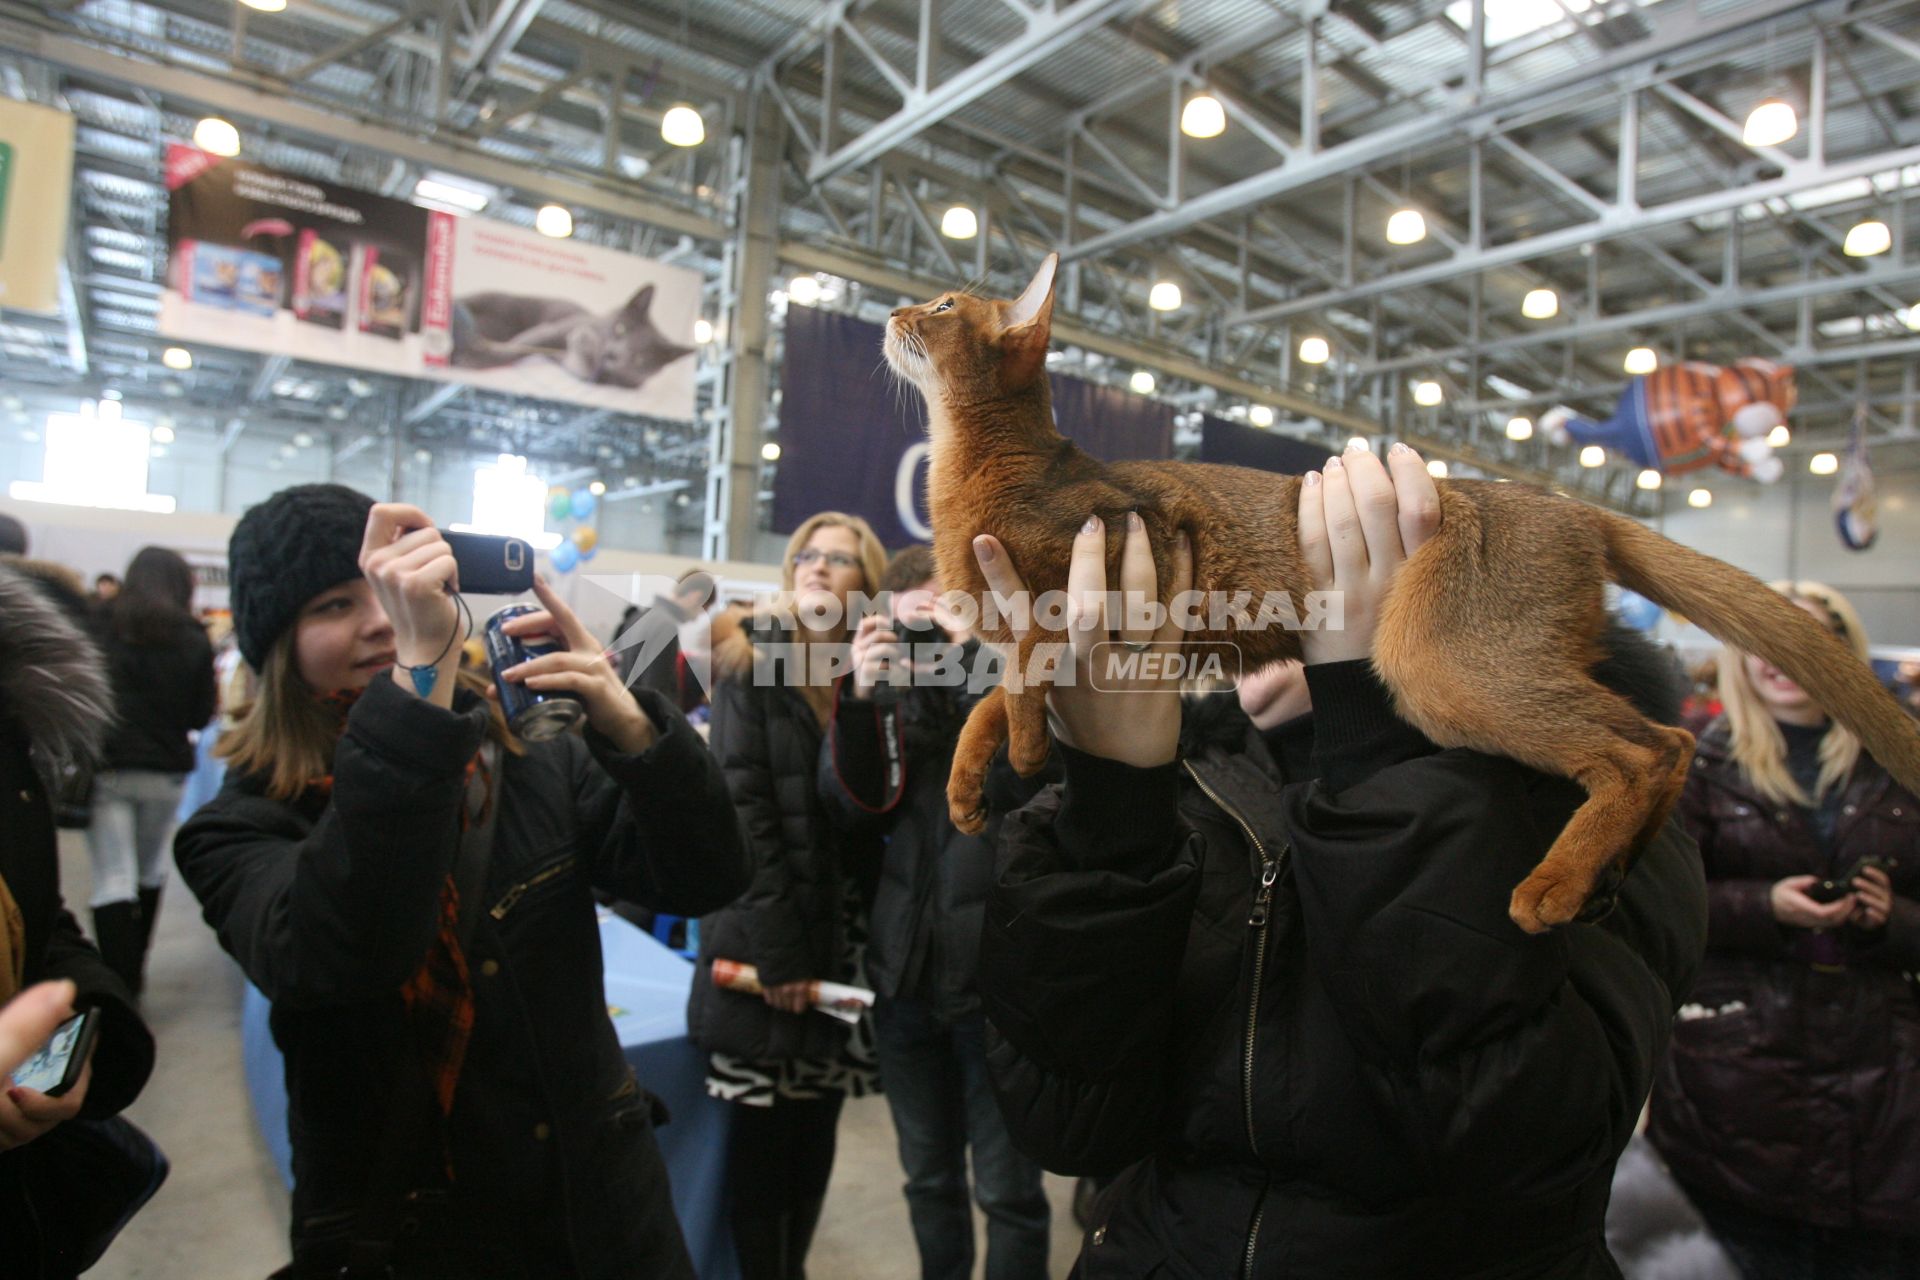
1789, 1102
787, 1068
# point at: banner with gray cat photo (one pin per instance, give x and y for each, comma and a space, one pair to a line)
286, 265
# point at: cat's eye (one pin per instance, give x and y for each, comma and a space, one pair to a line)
945, 304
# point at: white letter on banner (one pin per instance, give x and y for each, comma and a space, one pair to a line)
903, 491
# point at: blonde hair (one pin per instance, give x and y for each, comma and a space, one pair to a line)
287, 735
873, 564
1759, 748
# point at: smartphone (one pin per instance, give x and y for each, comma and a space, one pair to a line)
55, 1067
491, 565
1840, 886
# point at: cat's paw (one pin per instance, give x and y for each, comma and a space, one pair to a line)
1547, 899
967, 805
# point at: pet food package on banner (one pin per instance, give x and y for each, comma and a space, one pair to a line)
387, 286
835, 999
219, 275
320, 292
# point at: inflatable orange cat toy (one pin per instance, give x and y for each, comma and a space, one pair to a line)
1688, 416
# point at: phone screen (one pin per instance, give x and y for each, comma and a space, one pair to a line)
48, 1065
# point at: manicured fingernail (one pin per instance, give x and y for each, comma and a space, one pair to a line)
1133, 520
1334, 464
1400, 446
1092, 525
1311, 479
983, 548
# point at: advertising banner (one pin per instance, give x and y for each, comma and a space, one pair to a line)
852, 440
270, 262
36, 188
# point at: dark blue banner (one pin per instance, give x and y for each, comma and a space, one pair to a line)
1237, 445
852, 440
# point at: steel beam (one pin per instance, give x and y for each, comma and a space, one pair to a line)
251, 96
1719, 302
1046, 34
434, 401
509, 21
1680, 34
1611, 227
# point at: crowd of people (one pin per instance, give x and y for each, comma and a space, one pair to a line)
1239, 958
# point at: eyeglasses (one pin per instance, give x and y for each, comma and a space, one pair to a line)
835, 559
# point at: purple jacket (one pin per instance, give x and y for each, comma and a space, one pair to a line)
1792, 1085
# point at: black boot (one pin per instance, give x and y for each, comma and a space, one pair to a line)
116, 927
149, 912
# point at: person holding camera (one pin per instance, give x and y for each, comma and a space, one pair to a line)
884, 768
1789, 1104
56, 706
411, 886
1293, 1016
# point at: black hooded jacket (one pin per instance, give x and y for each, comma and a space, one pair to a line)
1297, 1014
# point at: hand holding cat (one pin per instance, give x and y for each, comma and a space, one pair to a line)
1359, 521
1134, 716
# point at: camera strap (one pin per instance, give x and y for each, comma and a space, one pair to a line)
413, 1122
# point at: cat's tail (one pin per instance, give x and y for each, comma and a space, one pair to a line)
1744, 612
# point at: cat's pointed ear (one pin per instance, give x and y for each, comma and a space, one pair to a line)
641, 302
1027, 325
1035, 303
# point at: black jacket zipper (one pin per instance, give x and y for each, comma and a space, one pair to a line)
512, 896
1259, 920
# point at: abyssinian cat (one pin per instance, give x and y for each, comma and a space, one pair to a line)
622, 348
1485, 639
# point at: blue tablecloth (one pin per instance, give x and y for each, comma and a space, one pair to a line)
648, 984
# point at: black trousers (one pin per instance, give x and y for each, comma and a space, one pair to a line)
1769, 1248
779, 1160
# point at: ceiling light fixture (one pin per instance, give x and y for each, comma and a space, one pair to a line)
1406, 226
1867, 239
1428, 394
1823, 464
216, 136
1519, 428
1700, 498
1780, 437
554, 220
1540, 304
1142, 382
1164, 296
1648, 479
1771, 122
770, 452
1437, 468
434, 191
178, 359
804, 290
1260, 415
1314, 350
1203, 117
1641, 360
682, 126
1593, 456
959, 223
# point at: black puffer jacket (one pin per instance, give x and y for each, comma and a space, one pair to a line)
330, 905
884, 770
54, 702
790, 922
1303, 1017
1793, 1084
164, 692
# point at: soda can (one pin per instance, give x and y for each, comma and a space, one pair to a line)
533, 716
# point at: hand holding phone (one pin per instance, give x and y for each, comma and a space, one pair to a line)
491, 565
50, 1086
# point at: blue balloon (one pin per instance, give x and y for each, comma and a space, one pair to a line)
583, 504
565, 557
1638, 612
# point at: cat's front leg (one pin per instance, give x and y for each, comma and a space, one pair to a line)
985, 730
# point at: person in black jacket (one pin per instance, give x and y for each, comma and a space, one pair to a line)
55, 704
163, 685
1297, 1014
786, 1067
458, 1102
884, 769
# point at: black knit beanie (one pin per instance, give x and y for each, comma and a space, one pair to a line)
285, 552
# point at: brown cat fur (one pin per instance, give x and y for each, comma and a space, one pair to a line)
1486, 637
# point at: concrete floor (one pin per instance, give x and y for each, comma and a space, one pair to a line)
222, 1215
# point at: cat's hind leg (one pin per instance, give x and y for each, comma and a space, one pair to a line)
980, 737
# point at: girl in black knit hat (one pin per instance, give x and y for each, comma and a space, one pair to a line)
412, 887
